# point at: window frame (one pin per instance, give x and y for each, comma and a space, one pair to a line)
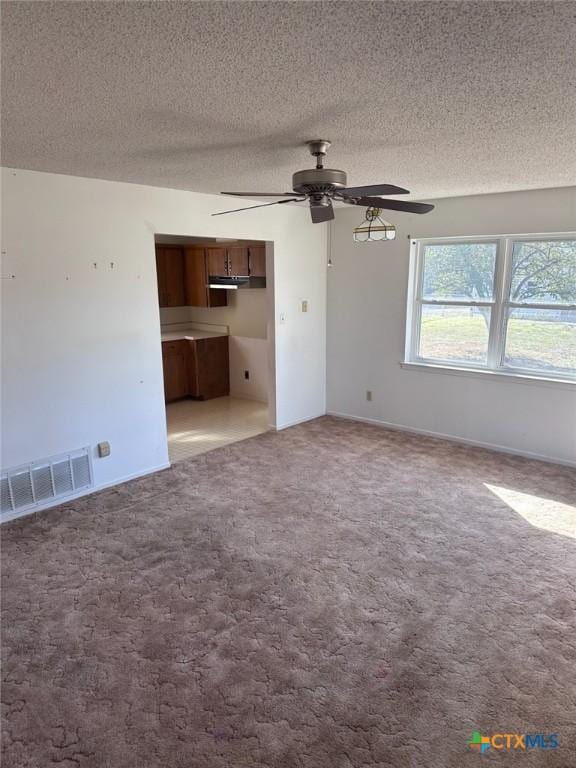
500, 305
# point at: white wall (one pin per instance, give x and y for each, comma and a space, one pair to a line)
81, 344
248, 354
245, 315
367, 289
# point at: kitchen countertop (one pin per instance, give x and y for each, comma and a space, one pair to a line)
190, 334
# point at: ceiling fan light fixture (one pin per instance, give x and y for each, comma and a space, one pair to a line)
373, 228
320, 187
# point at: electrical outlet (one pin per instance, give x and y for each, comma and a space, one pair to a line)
246, 374
103, 449
369, 395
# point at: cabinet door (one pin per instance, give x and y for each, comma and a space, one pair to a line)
197, 292
217, 297
175, 366
170, 271
238, 261
217, 261
196, 277
162, 278
257, 260
193, 384
213, 367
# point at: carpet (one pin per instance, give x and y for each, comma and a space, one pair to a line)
336, 595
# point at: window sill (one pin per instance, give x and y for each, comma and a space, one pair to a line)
509, 377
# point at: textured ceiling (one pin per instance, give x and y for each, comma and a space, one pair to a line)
445, 98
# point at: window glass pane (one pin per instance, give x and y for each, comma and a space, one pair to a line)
459, 271
544, 272
542, 339
458, 334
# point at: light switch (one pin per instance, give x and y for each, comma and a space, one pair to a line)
304, 305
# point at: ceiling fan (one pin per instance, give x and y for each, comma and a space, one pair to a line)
321, 186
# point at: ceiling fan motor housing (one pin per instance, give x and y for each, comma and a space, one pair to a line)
318, 181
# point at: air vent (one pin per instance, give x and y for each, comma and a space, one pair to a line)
62, 477
21, 485
81, 472
5, 497
43, 483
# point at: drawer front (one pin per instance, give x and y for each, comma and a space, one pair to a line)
174, 346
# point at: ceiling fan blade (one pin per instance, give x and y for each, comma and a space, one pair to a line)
393, 205
263, 205
259, 194
373, 189
321, 213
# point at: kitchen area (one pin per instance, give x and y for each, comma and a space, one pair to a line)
214, 327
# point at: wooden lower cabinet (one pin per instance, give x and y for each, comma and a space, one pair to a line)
175, 365
212, 367
196, 368
193, 389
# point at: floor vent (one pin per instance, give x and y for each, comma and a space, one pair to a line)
34, 485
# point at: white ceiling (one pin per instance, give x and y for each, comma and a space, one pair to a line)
445, 98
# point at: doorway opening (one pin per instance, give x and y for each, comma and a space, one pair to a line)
216, 325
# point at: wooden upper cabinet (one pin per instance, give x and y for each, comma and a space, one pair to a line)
217, 261
184, 272
196, 277
198, 294
162, 278
170, 272
238, 261
257, 260
228, 262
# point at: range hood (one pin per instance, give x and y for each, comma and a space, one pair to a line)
236, 283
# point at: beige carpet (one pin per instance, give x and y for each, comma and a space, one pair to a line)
333, 596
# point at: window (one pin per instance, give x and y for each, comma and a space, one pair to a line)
503, 304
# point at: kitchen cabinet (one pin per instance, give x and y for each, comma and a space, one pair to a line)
183, 279
197, 292
175, 364
237, 261
257, 260
228, 262
211, 375
184, 272
217, 261
170, 272
192, 360
198, 368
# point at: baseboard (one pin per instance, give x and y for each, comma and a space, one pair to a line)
454, 439
87, 492
287, 424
